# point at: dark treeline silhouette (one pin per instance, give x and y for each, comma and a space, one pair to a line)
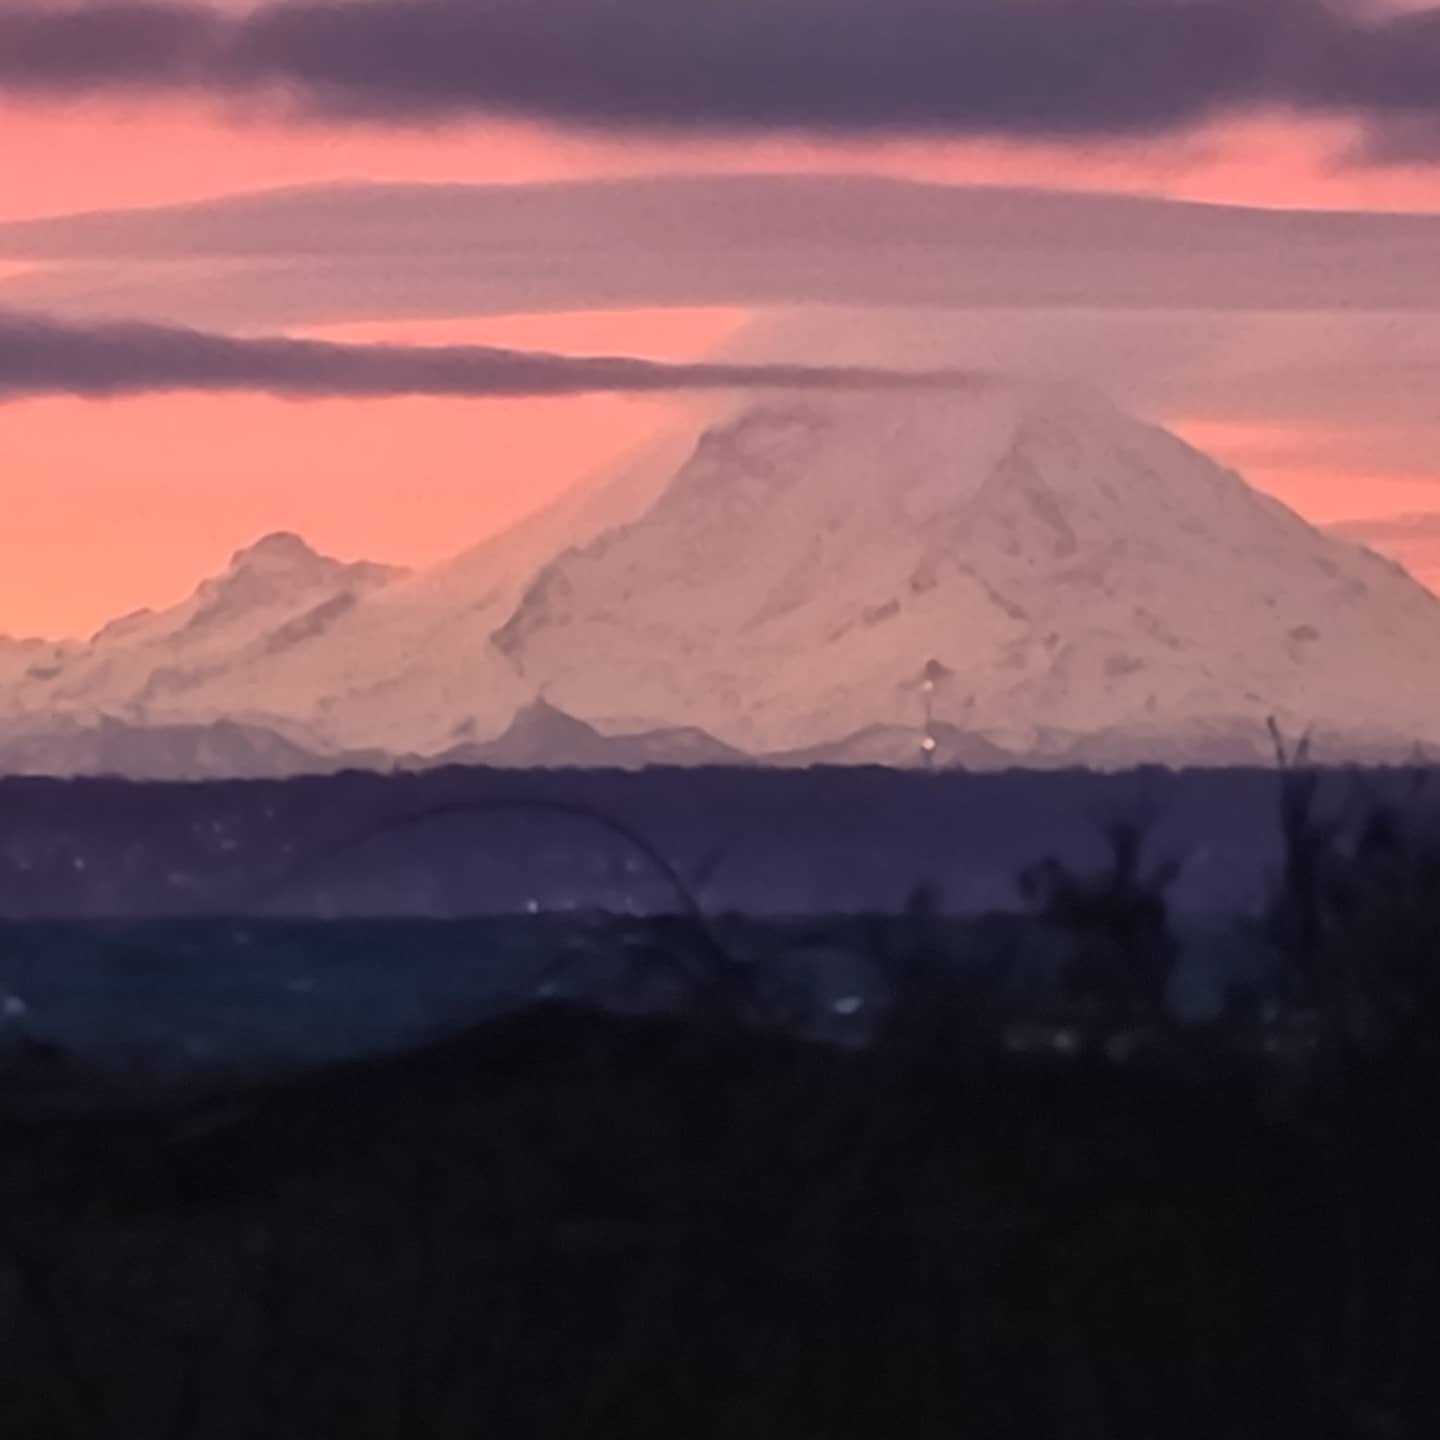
761, 841
563, 1223
1051, 1213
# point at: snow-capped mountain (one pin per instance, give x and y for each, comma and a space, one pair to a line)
1050, 580
333, 657
413, 669
274, 596
1072, 572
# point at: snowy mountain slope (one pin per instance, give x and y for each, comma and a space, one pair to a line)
1412, 541
1074, 570
274, 596
413, 668
1088, 588
334, 657
27, 659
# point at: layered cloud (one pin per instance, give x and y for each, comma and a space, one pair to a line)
325, 255
1041, 68
41, 356
1302, 346
1210, 313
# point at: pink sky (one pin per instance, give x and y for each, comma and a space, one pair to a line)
115, 505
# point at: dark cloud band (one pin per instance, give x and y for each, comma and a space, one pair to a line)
42, 356
1057, 68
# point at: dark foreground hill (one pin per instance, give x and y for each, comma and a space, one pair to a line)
567, 1222
564, 1223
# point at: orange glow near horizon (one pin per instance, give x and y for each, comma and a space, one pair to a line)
115, 505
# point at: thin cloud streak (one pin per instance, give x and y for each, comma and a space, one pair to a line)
1045, 68
41, 356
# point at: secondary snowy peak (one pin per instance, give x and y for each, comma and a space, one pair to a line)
1074, 571
413, 668
275, 594
276, 572
279, 550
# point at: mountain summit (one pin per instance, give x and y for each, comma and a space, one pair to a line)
280, 548
1069, 572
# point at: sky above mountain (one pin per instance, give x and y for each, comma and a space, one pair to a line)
1303, 348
